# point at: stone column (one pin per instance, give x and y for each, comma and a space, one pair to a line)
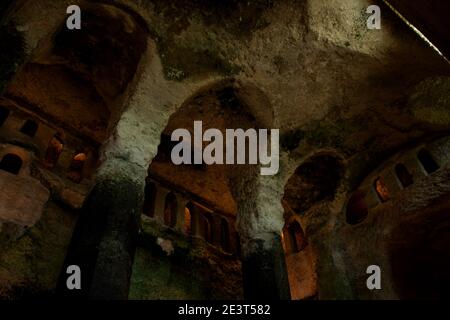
233, 239
105, 238
216, 230
160, 203
182, 202
264, 268
195, 222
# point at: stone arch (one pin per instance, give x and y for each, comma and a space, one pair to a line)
225, 104
313, 183
80, 79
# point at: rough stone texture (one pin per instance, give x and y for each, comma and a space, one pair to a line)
330, 85
105, 239
264, 271
22, 199
30, 264
195, 269
302, 274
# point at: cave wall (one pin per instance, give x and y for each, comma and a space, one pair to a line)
32, 256
169, 265
364, 95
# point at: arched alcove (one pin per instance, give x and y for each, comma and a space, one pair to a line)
219, 106
54, 150
11, 163
427, 161
76, 168
403, 175
357, 209
315, 180
205, 226
80, 78
170, 210
29, 128
381, 189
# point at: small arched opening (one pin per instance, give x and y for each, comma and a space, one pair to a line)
427, 161
206, 227
357, 209
403, 175
11, 163
381, 189
54, 150
29, 128
76, 167
170, 210
149, 199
